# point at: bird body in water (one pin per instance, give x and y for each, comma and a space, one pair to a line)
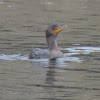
53, 51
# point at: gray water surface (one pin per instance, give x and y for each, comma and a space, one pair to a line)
22, 27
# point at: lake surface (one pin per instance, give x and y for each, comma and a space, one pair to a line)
22, 28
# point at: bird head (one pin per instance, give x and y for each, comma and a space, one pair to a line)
54, 29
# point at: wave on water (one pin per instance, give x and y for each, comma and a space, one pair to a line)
69, 56
83, 50
13, 57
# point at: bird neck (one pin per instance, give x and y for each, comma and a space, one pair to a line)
52, 43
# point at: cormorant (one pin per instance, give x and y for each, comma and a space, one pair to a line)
53, 51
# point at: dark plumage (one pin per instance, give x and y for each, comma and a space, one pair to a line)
52, 52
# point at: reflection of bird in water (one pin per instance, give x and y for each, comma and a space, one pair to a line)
51, 80
52, 52
50, 75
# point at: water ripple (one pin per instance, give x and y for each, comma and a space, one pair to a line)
68, 56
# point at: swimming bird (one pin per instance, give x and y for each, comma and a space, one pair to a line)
53, 51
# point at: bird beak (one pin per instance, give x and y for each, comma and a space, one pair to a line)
59, 29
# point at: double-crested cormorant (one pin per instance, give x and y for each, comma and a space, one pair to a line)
53, 51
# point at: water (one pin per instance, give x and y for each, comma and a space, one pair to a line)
74, 77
